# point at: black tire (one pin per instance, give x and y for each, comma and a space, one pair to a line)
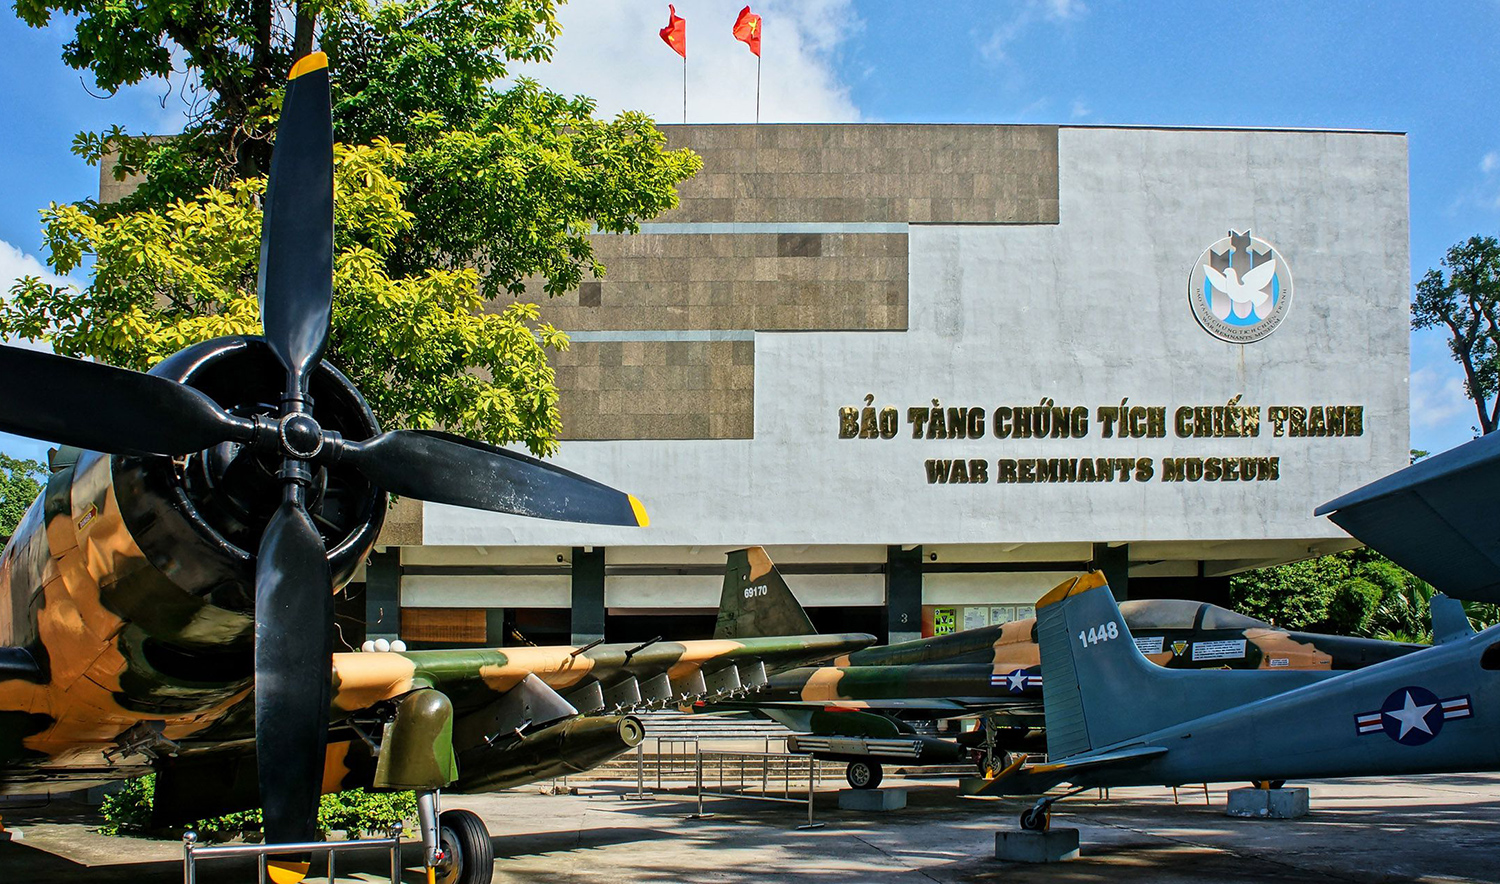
465, 840
1036, 819
863, 774
1268, 784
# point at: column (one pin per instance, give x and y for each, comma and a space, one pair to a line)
1114, 561
903, 593
383, 594
588, 594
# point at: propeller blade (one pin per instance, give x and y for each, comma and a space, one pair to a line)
108, 409
296, 240
293, 658
444, 468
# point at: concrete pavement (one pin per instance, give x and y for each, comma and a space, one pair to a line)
1437, 828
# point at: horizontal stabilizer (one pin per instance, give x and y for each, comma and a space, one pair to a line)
1431, 519
1118, 756
1018, 779
1449, 620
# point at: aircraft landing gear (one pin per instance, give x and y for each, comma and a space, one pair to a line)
456, 845
468, 854
1036, 819
863, 774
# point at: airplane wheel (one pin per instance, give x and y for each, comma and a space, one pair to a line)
1267, 784
466, 843
1036, 819
863, 774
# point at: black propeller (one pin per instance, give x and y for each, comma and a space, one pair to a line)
145, 414
293, 588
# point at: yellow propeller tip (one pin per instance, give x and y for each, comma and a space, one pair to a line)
314, 61
282, 871
639, 509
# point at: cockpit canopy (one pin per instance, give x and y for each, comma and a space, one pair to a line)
1184, 614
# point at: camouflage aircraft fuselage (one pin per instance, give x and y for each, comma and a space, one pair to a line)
126, 636
999, 666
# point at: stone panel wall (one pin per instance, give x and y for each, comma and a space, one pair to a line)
787, 228
741, 281
658, 389
937, 174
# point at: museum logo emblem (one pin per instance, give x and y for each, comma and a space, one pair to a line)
1240, 289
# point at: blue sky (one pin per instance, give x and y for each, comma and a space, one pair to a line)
1428, 69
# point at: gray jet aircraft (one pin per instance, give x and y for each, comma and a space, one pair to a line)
1433, 711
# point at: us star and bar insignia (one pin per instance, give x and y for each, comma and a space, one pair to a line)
1016, 681
1413, 715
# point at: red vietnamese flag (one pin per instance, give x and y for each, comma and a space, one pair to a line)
675, 33
747, 30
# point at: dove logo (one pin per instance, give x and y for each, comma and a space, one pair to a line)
1240, 289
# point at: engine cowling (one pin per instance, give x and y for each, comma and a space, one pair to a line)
199, 519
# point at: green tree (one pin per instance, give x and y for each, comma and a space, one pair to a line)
453, 192
1358, 592
20, 483
1465, 303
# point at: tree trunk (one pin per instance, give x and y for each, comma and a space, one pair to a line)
302, 37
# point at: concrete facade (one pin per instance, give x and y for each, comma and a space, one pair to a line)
989, 275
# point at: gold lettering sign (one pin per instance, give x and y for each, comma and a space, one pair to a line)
1048, 419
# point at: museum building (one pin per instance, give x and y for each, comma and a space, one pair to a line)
937, 369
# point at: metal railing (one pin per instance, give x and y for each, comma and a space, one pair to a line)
192, 853
743, 787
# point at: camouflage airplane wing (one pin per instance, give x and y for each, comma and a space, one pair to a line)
480, 719
1432, 518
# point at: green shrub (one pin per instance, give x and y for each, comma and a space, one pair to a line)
1352, 607
357, 811
1358, 592
128, 812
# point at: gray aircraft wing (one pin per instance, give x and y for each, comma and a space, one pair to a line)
1435, 518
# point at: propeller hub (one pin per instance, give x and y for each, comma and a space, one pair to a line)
300, 435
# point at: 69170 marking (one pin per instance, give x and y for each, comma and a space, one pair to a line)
1101, 633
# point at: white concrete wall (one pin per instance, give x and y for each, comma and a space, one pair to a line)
1084, 312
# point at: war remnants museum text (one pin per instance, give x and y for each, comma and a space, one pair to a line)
1048, 420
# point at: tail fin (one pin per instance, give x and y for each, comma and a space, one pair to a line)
1098, 688
1449, 620
756, 602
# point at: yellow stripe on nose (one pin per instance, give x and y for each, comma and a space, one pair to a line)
282, 871
639, 509
313, 61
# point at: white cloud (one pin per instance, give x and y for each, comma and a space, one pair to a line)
1065, 9
1489, 183
610, 50
1438, 400
1080, 110
994, 48
15, 264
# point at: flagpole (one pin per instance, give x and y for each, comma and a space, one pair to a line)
684, 87
757, 87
